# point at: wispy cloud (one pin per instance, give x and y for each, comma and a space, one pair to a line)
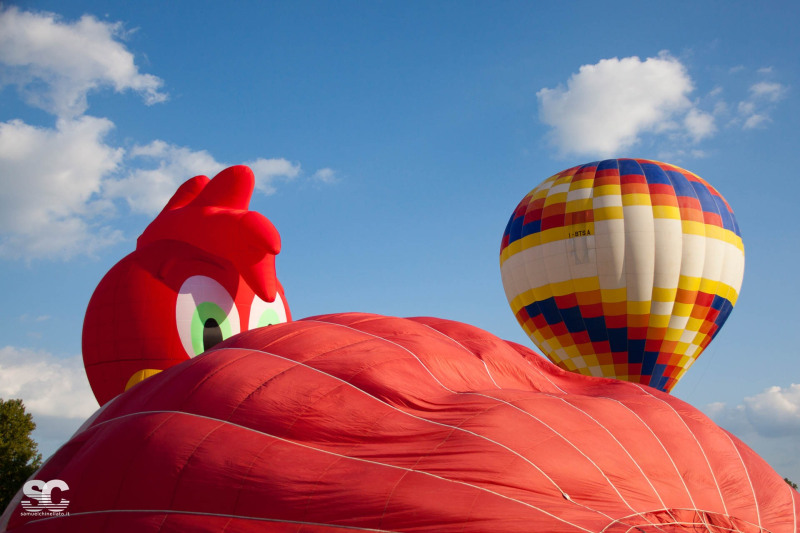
755, 111
55, 64
25, 318
325, 175
769, 91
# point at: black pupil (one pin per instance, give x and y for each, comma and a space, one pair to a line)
212, 334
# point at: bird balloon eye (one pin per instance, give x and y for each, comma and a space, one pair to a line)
205, 314
267, 313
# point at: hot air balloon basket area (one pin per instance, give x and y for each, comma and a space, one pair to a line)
219, 412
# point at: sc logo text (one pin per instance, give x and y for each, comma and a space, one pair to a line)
45, 496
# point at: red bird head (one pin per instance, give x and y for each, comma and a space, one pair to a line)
203, 270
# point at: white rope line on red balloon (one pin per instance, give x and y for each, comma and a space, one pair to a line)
296, 363
342, 456
633, 460
208, 375
712, 528
563, 492
306, 364
713, 476
71, 515
488, 372
543, 374
417, 417
645, 424
660, 442
188, 458
747, 473
696, 440
794, 530
614, 437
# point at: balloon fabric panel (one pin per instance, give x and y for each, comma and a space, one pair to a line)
352, 421
623, 268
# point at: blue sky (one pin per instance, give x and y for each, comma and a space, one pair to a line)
391, 142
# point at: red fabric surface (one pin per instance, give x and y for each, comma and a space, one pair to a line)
363, 421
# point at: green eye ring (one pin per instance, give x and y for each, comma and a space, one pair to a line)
268, 318
205, 314
267, 313
210, 325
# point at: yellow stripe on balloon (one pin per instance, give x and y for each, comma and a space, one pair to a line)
608, 213
636, 199
666, 211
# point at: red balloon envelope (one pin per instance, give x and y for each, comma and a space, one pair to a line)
352, 421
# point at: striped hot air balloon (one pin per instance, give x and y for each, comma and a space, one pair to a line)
623, 268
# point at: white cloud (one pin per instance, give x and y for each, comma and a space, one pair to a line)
51, 179
147, 190
746, 108
325, 175
768, 90
755, 111
54, 390
55, 63
734, 419
25, 318
755, 121
48, 385
776, 411
608, 106
699, 124
611, 106
268, 171
769, 422
61, 184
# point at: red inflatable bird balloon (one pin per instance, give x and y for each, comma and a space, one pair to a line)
358, 422
203, 270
